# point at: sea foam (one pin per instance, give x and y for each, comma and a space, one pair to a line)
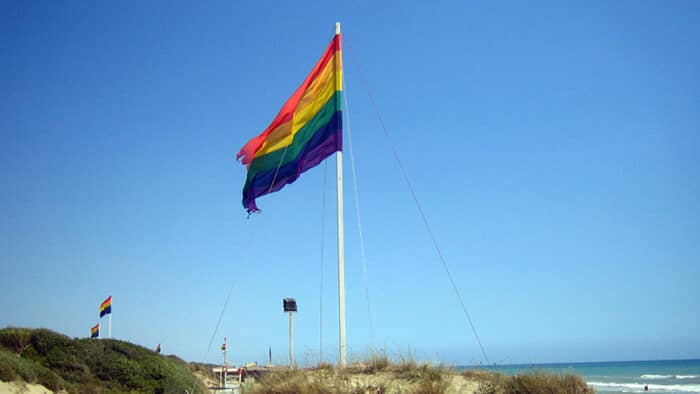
652, 377
638, 387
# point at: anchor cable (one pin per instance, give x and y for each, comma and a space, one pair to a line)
407, 180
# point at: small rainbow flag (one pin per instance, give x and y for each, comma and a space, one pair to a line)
106, 306
95, 331
307, 130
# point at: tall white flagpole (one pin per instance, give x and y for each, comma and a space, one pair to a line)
341, 248
110, 318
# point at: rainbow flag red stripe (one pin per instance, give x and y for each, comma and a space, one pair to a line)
95, 331
306, 130
106, 306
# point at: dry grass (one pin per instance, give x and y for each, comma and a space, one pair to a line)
376, 363
427, 386
378, 375
375, 375
536, 382
295, 381
424, 378
412, 371
379, 362
324, 367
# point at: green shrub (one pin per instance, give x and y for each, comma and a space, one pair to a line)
13, 367
44, 340
90, 366
22, 368
7, 373
49, 379
15, 339
30, 353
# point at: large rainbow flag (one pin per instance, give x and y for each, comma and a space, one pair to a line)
106, 306
307, 129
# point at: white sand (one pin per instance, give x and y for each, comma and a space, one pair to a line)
22, 387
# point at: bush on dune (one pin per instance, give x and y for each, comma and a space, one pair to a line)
15, 339
88, 365
14, 367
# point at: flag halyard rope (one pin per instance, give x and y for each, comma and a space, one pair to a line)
414, 196
357, 213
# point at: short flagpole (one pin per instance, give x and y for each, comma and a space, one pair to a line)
291, 341
341, 249
110, 325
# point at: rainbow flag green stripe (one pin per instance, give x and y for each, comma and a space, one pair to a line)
281, 157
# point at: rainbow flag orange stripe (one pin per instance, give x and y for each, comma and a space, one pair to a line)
106, 306
306, 130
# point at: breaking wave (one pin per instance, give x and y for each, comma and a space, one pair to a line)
653, 377
638, 387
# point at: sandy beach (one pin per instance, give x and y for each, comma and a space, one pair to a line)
23, 387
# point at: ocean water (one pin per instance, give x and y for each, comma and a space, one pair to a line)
662, 376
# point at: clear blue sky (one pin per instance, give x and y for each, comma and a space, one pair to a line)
554, 145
